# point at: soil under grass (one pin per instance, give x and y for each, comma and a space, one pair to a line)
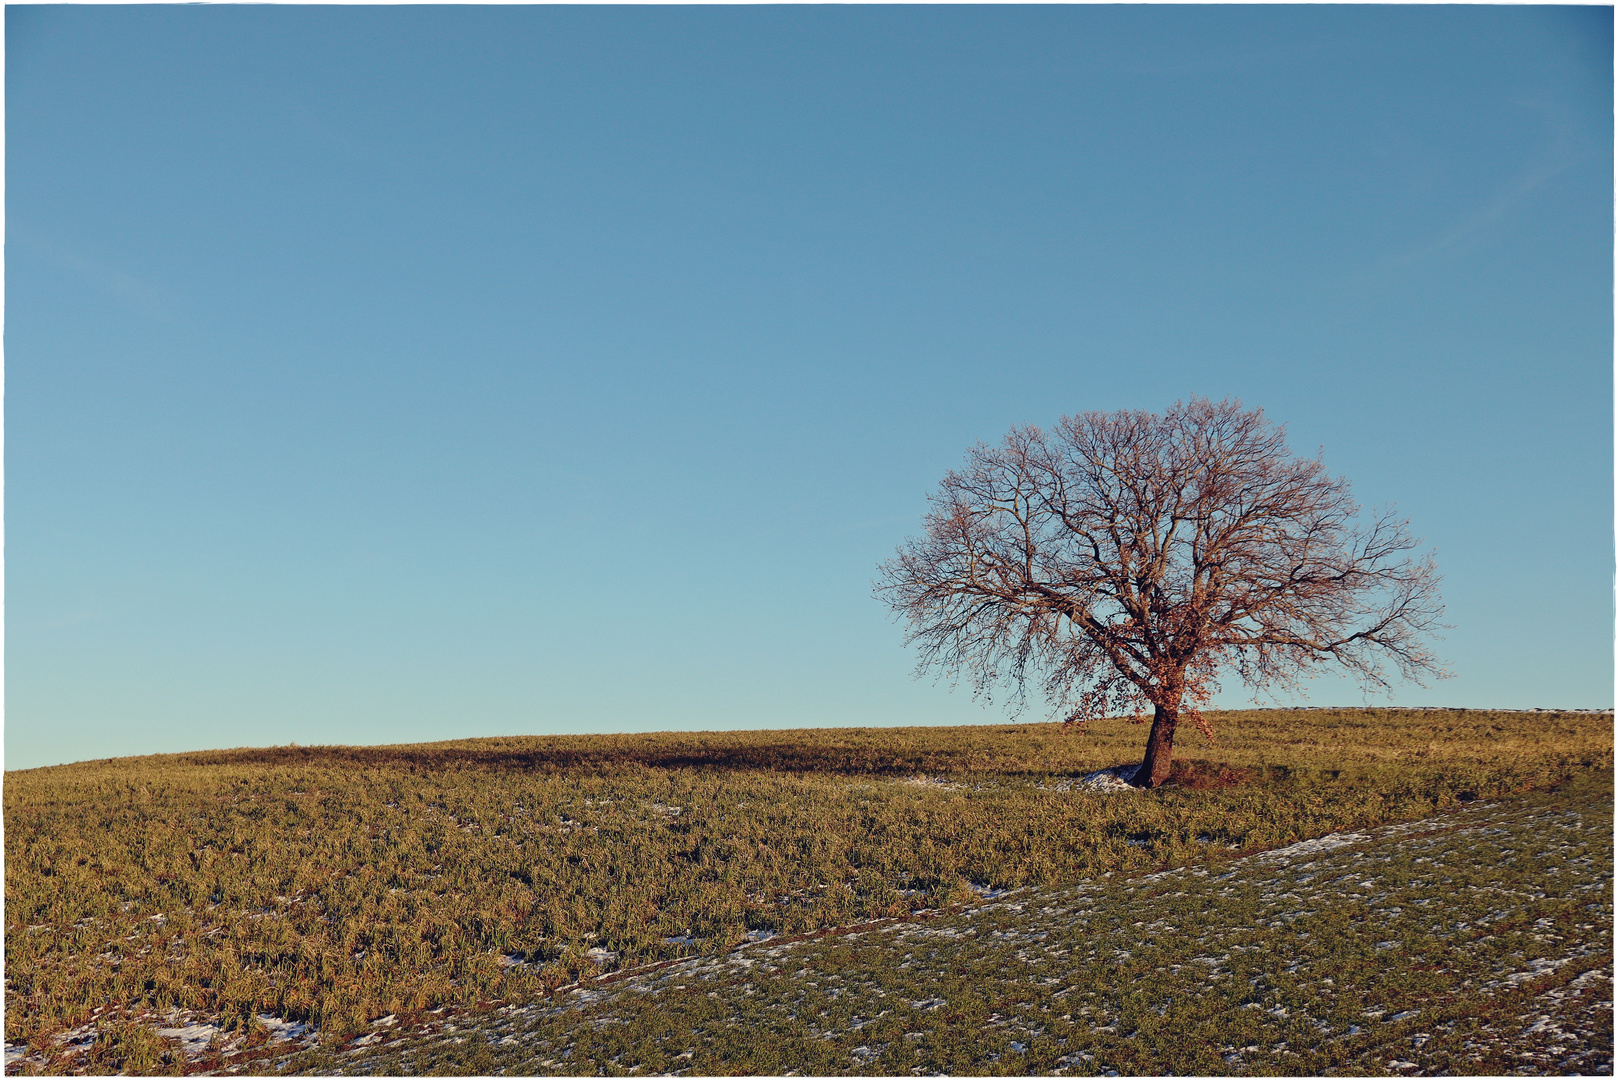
255, 895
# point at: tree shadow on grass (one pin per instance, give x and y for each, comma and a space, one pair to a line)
616, 753
789, 757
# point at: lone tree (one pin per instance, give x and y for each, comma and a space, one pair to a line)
1129, 558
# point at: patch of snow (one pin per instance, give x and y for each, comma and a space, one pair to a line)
1536, 968
194, 1038
78, 1038
1318, 846
923, 780
283, 1030
1110, 781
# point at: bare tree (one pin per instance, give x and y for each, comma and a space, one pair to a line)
1129, 558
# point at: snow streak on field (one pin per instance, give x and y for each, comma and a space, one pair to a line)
1475, 942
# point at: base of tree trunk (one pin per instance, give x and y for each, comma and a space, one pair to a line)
1154, 768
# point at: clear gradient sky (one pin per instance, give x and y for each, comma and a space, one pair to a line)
387, 374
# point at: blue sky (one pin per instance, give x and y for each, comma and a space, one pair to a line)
386, 374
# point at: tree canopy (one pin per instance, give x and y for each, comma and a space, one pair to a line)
1129, 558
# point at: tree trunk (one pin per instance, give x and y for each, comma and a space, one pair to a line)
1154, 769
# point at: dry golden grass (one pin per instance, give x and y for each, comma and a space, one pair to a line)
338, 884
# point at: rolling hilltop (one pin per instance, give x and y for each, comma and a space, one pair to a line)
163, 910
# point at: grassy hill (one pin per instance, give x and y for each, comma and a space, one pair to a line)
1477, 941
242, 891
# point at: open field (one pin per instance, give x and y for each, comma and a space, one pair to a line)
240, 897
1476, 941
